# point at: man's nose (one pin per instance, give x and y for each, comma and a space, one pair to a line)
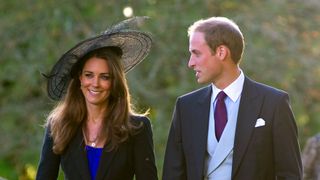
191, 62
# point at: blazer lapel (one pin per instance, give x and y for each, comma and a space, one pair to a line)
105, 162
249, 109
78, 156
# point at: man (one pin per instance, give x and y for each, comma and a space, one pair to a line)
247, 133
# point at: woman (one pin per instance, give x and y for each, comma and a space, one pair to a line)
93, 133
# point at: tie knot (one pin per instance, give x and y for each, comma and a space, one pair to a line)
221, 95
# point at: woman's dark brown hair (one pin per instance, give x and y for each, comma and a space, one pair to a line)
64, 121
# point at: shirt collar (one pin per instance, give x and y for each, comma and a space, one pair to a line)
233, 90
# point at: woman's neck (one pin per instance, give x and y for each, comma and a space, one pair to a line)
94, 126
96, 114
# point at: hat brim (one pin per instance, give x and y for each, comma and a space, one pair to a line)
135, 46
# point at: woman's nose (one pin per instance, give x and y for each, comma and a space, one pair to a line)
95, 81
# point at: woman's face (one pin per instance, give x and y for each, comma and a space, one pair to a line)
96, 81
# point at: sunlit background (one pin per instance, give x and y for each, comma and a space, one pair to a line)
127, 11
282, 50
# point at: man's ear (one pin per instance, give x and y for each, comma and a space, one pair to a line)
222, 51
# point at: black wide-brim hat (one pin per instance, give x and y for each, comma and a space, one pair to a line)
135, 46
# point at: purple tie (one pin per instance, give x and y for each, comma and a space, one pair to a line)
220, 114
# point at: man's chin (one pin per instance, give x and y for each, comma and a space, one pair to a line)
201, 81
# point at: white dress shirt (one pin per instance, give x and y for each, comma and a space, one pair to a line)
219, 157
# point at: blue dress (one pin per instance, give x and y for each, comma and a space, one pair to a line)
93, 155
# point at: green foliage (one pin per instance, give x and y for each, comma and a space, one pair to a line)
282, 50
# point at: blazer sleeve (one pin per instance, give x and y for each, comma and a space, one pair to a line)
144, 159
48, 167
174, 167
286, 147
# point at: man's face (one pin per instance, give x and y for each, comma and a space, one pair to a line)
207, 65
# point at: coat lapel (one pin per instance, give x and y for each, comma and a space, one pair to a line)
200, 128
249, 109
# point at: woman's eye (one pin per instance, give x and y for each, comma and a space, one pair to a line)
106, 77
88, 75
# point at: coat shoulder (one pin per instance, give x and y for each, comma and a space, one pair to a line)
264, 88
196, 94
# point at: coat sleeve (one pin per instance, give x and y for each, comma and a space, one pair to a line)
48, 167
285, 138
174, 167
144, 159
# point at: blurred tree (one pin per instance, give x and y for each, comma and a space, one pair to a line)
282, 49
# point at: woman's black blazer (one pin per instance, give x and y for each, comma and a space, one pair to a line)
134, 157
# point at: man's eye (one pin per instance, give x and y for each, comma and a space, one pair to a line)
197, 54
